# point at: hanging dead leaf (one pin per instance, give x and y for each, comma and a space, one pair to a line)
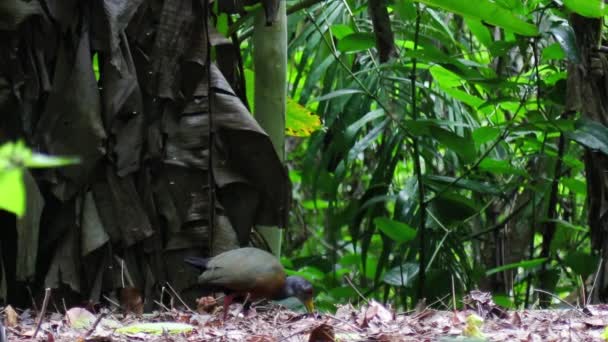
322, 333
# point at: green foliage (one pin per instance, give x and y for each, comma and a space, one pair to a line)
488, 148
14, 158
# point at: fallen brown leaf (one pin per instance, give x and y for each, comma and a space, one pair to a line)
131, 300
12, 317
206, 304
322, 333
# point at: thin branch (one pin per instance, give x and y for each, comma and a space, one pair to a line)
45, 303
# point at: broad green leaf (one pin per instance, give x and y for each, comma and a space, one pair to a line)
397, 231
445, 77
587, 8
499, 166
402, 275
483, 135
591, 134
526, 264
299, 121
575, 185
487, 11
337, 93
157, 328
452, 208
464, 147
341, 30
12, 191
479, 30
553, 52
222, 24
581, 263
405, 9
564, 35
357, 41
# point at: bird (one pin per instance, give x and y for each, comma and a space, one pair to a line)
250, 272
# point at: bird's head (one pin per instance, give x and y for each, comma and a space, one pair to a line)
302, 289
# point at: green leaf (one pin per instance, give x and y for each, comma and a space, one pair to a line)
587, 8
487, 11
341, 30
464, 147
157, 328
591, 134
482, 188
483, 135
526, 264
398, 231
96, 66
250, 88
581, 263
499, 166
402, 275
451, 208
12, 191
357, 41
575, 185
479, 30
337, 93
553, 52
564, 35
405, 9
299, 121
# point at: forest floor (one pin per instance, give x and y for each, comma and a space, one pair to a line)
482, 321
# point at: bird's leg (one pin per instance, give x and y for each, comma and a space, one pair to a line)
246, 305
227, 302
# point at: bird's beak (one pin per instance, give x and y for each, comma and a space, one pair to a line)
310, 306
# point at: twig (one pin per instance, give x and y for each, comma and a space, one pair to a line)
453, 294
111, 301
561, 300
163, 306
597, 273
45, 303
350, 282
180, 298
34, 306
95, 324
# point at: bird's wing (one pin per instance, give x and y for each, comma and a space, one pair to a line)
241, 270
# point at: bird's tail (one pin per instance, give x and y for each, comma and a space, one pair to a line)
198, 262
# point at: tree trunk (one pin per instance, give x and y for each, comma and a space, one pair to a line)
270, 64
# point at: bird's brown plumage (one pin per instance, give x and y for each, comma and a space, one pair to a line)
253, 272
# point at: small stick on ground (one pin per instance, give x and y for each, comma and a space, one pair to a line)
453, 294
180, 298
45, 303
561, 300
34, 306
111, 301
99, 318
597, 273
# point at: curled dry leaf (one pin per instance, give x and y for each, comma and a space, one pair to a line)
322, 333
11, 316
374, 310
79, 318
205, 304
